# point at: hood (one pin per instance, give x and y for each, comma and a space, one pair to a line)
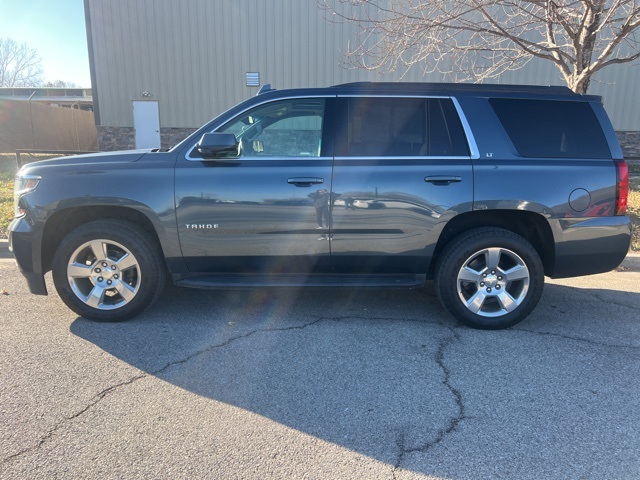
99, 158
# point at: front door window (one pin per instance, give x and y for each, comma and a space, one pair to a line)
289, 128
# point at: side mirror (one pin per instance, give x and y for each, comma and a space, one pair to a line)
218, 145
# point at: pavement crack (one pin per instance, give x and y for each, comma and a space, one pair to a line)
52, 431
605, 299
113, 388
96, 399
454, 421
231, 340
576, 339
400, 443
278, 329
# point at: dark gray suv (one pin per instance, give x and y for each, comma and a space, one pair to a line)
485, 189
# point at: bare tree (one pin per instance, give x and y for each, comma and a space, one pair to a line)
19, 65
481, 39
60, 84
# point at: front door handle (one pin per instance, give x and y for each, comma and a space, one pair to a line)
304, 181
442, 179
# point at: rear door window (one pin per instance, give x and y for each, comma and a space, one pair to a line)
552, 129
399, 127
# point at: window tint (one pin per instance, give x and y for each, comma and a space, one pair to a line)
289, 128
401, 127
446, 135
548, 129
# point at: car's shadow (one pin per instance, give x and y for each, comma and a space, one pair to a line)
375, 371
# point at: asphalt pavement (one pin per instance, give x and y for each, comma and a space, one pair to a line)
322, 384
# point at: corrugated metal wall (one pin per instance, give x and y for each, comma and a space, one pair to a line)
192, 56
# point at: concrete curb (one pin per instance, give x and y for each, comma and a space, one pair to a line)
631, 262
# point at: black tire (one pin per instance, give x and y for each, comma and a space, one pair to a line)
126, 277
474, 295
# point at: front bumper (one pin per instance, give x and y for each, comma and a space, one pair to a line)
26, 247
589, 246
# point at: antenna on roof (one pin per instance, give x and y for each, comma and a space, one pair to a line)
265, 88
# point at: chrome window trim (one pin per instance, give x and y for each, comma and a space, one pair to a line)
381, 95
262, 159
473, 147
471, 140
401, 157
293, 97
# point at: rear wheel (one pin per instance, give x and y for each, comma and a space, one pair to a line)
108, 270
489, 278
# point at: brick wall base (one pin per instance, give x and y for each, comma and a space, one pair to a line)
172, 136
115, 138
630, 143
123, 138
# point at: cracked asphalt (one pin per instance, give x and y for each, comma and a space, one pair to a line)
321, 384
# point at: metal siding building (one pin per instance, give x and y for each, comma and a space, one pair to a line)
192, 57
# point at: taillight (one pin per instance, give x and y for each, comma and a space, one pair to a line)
622, 187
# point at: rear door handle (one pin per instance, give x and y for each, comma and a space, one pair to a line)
304, 181
442, 179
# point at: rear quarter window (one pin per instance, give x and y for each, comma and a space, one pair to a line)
552, 129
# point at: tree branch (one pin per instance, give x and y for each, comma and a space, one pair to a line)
484, 38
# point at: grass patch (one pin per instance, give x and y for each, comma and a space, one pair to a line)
633, 212
7, 163
6, 202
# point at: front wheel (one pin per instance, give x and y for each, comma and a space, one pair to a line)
108, 270
489, 278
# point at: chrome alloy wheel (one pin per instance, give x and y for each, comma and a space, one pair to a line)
493, 282
104, 274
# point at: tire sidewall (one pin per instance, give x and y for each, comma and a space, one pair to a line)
133, 239
461, 249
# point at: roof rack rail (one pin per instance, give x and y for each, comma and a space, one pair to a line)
265, 88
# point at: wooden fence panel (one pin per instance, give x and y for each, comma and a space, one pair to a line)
32, 125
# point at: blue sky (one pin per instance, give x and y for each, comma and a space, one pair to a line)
56, 29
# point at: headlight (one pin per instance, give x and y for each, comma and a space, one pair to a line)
23, 184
